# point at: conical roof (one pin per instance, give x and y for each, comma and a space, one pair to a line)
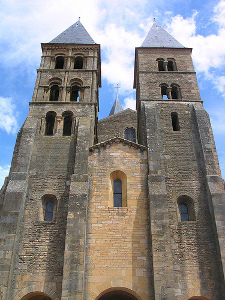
116, 108
75, 34
159, 37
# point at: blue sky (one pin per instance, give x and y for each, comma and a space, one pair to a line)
119, 26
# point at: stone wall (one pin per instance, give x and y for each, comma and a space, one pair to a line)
115, 125
118, 241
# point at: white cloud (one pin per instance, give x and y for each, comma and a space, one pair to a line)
130, 103
4, 171
8, 121
118, 46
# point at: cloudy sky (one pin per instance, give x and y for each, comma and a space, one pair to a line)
119, 26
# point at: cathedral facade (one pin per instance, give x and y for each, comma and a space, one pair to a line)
130, 207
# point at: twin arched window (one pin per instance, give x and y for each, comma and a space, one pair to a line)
170, 92
50, 123
60, 61
168, 65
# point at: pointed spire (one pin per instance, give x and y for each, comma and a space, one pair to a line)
117, 107
159, 37
75, 34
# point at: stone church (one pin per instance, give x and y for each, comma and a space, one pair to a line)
130, 207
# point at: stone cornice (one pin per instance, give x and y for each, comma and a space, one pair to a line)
117, 140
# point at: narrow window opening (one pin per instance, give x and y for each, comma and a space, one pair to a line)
164, 92
174, 92
49, 211
50, 122
54, 93
75, 93
59, 63
67, 124
184, 212
117, 193
161, 66
130, 135
78, 63
175, 121
186, 208
170, 66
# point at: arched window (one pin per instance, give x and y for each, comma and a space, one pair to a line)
175, 92
49, 207
186, 208
117, 193
78, 62
75, 93
164, 92
118, 189
50, 123
59, 62
67, 123
129, 134
184, 212
54, 93
49, 211
175, 121
161, 64
171, 65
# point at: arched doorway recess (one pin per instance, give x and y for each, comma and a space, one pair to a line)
36, 296
117, 295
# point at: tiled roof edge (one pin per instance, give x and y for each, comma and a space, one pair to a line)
117, 140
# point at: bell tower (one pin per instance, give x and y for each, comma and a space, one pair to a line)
184, 181
46, 193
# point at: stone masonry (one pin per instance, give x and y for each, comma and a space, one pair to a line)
87, 214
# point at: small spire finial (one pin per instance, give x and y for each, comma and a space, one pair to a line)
79, 19
154, 19
117, 87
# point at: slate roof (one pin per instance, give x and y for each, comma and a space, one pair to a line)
75, 34
116, 108
159, 37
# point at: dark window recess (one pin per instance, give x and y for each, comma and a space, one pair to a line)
50, 122
78, 63
170, 66
49, 211
117, 193
54, 93
161, 65
74, 94
164, 92
184, 212
175, 121
129, 134
67, 125
174, 92
59, 63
